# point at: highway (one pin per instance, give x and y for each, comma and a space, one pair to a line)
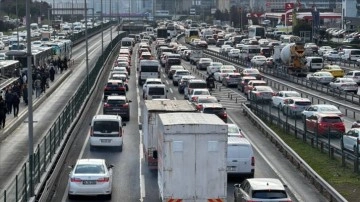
134, 182
14, 147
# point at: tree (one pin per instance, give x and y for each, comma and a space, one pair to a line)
235, 15
218, 14
302, 25
226, 15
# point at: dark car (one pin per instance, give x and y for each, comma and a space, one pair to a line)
118, 105
211, 41
220, 42
202, 44
114, 87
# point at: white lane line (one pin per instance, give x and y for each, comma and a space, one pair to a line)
171, 91
141, 152
80, 155
164, 76
298, 198
175, 98
167, 82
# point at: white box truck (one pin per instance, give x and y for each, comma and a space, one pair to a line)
192, 157
150, 110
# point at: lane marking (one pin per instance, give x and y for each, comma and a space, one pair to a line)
175, 98
171, 91
167, 82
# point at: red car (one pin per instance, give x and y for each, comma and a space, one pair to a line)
325, 124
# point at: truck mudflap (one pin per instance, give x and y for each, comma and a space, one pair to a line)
150, 160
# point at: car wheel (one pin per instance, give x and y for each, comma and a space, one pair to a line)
108, 197
70, 196
120, 148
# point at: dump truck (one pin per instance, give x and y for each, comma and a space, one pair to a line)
150, 110
293, 58
192, 149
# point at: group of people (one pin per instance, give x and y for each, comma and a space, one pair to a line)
41, 77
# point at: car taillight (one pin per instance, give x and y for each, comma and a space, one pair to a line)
104, 179
122, 88
73, 179
257, 93
198, 107
107, 88
106, 105
194, 99
125, 105
120, 132
252, 161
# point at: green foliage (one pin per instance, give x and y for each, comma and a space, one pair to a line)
17, 9
301, 25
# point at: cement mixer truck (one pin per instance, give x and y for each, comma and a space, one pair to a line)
293, 58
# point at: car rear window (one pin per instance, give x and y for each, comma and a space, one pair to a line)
213, 110
197, 85
116, 102
331, 119
238, 151
269, 194
207, 100
234, 76
303, 103
89, 169
106, 126
114, 84
156, 91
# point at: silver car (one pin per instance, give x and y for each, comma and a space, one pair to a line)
295, 105
261, 94
231, 79
345, 84
321, 77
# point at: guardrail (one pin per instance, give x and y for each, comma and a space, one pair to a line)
325, 188
52, 145
349, 111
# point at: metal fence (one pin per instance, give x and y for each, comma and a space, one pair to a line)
50, 146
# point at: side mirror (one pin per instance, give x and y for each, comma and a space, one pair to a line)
110, 166
237, 185
129, 100
167, 91
123, 124
218, 100
71, 166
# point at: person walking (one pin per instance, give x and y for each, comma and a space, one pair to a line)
15, 103
37, 86
2, 113
52, 73
25, 94
8, 100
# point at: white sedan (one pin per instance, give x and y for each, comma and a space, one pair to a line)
344, 84
349, 140
90, 177
213, 67
221, 74
332, 55
234, 53
324, 49
279, 98
258, 60
321, 108
196, 92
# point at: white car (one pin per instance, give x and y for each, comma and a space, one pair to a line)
258, 60
234, 53
324, 49
90, 177
349, 140
151, 81
279, 98
345, 84
2, 56
332, 55
234, 130
322, 108
225, 48
2, 45
178, 74
196, 92
221, 74
213, 67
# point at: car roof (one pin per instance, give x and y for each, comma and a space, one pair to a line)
326, 114
116, 97
197, 80
299, 99
90, 161
114, 81
153, 79
212, 105
265, 184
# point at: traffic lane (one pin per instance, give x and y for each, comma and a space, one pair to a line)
13, 152
264, 166
316, 92
126, 169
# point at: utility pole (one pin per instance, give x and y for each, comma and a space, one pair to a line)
86, 50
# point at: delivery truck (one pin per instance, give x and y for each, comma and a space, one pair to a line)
191, 155
149, 122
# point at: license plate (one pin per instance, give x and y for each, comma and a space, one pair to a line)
105, 140
230, 168
87, 182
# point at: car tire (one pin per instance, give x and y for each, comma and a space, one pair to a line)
120, 148
70, 196
108, 197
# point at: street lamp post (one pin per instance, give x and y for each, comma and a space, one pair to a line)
86, 49
102, 32
17, 26
110, 26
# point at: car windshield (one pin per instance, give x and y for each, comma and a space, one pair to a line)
232, 129
114, 85
328, 109
116, 102
213, 110
89, 169
201, 92
269, 194
303, 103
234, 75
183, 73
334, 119
197, 85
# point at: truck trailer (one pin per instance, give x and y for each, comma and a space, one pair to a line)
192, 151
149, 116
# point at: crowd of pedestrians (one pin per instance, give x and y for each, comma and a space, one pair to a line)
41, 77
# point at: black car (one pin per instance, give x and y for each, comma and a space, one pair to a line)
114, 87
211, 41
220, 42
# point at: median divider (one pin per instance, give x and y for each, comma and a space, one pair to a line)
324, 188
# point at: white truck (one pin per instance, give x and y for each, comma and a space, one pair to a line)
192, 158
195, 56
150, 111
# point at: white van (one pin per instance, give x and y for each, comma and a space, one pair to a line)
155, 91
351, 54
240, 157
314, 63
106, 131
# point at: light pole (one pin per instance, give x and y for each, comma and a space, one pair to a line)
110, 27
102, 32
30, 102
86, 49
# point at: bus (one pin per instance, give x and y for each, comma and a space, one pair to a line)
9, 69
61, 49
191, 34
249, 51
40, 56
148, 69
256, 31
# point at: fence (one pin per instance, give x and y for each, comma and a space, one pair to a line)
49, 147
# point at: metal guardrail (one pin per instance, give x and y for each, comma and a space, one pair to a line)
348, 110
50, 147
325, 188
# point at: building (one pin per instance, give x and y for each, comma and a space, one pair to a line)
350, 14
223, 5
